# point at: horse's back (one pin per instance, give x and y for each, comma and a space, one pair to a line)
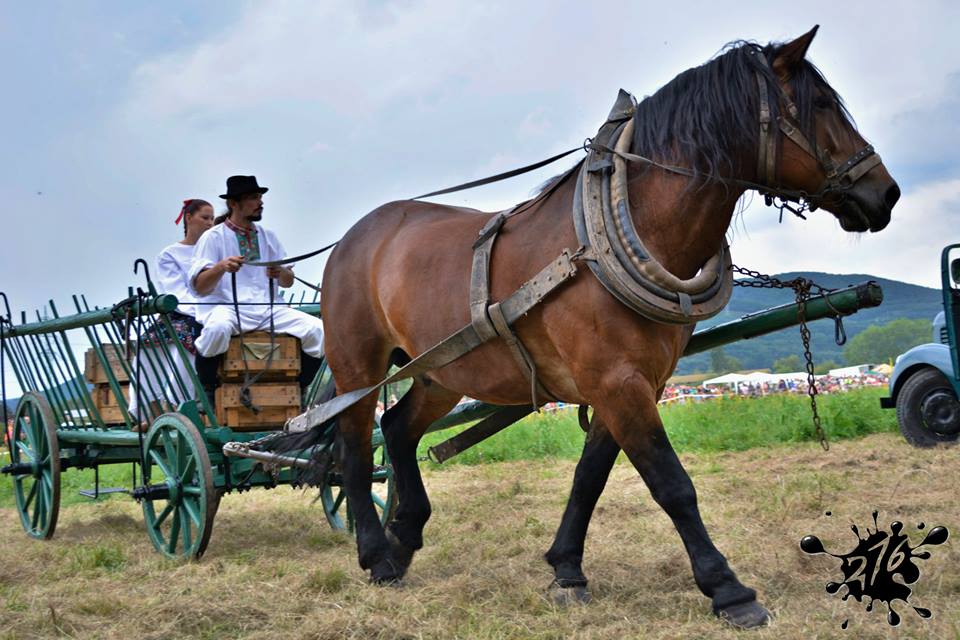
404, 265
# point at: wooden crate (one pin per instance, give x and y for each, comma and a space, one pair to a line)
278, 402
93, 371
285, 364
106, 403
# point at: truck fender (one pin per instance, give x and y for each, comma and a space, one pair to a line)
925, 355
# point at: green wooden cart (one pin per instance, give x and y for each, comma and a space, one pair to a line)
185, 461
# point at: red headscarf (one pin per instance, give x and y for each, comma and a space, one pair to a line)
183, 210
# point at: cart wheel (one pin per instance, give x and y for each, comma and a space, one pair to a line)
35, 443
179, 519
337, 508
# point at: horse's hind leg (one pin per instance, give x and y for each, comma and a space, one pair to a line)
373, 550
566, 554
403, 426
641, 435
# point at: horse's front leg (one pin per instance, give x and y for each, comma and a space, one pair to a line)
566, 555
641, 435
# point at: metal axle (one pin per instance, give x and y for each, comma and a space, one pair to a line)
151, 492
18, 468
243, 450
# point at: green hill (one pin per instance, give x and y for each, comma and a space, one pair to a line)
900, 300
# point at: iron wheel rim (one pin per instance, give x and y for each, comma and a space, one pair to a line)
176, 456
35, 442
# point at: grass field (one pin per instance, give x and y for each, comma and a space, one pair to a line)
274, 569
726, 424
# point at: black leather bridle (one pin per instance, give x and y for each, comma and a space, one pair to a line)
839, 177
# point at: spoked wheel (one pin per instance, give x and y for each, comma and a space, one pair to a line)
336, 506
36, 452
180, 500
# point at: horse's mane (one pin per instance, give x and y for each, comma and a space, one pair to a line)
707, 114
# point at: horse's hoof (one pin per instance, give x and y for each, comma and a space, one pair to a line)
386, 573
402, 554
566, 596
746, 615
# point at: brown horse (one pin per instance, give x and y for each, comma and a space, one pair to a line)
398, 283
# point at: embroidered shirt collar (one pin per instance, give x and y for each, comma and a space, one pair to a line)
245, 231
248, 239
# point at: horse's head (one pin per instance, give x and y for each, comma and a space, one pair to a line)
829, 159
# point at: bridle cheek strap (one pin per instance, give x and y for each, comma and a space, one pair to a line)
838, 178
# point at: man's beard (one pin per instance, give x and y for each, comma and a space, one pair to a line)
256, 215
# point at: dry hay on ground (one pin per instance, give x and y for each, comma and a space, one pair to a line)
273, 568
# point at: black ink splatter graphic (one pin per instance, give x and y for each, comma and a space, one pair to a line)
869, 570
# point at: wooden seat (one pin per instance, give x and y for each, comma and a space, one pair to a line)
255, 350
276, 391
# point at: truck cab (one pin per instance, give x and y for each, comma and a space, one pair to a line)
924, 386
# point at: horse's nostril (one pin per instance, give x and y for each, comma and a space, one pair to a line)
892, 195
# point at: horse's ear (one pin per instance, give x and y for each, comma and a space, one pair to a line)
790, 55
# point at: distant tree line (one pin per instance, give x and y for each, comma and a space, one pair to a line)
877, 344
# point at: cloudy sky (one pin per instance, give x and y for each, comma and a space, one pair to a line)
115, 112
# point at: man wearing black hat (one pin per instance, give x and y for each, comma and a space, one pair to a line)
225, 249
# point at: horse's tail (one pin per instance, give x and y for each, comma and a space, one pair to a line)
321, 441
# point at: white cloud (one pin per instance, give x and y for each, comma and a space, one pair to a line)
319, 147
339, 106
459, 83
534, 124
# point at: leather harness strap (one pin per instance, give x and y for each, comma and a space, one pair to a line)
513, 307
480, 278
488, 319
767, 152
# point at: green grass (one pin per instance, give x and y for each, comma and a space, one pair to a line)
100, 556
728, 424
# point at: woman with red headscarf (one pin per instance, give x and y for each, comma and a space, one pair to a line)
173, 265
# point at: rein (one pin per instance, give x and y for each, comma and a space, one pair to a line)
248, 381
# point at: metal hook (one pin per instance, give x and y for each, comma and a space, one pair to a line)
146, 271
6, 305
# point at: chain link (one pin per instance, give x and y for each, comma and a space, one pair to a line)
803, 289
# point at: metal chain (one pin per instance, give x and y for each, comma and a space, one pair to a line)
783, 204
803, 289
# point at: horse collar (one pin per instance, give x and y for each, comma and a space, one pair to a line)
620, 260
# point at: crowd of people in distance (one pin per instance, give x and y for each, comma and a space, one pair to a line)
825, 384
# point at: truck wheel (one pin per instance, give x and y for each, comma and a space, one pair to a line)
928, 410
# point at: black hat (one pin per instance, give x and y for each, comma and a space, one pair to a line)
240, 186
